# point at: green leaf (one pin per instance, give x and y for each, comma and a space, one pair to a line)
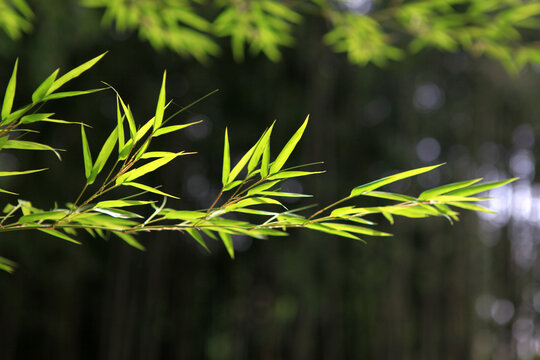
265, 162
362, 189
130, 240
241, 164
46, 215
227, 241
60, 235
184, 215
10, 93
261, 145
431, 193
143, 130
232, 185
30, 145
253, 201
160, 109
66, 94
265, 186
473, 207
288, 149
118, 213
11, 173
475, 189
129, 117
146, 168
169, 129
73, 73
291, 174
356, 229
197, 236
121, 203
283, 194
87, 156
149, 189
389, 196
226, 160
329, 230
42, 89
119, 126
35, 117
103, 156
7, 265
8, 192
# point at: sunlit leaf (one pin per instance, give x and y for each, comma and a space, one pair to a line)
30, 145
47, 215
10, 93
197, 236
121, 203
362, 189
73, 74
66, 94
173, 128
148, 188
160, 109
227, 241
60, 235
288, 148
103, 155
291, 174
259, 149
226, 160
146, 168
185, 215
475, 189
129, 239
42, 89
431, 193
11, 173
7, 265
87, 156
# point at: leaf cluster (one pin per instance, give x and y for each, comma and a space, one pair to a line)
251, 188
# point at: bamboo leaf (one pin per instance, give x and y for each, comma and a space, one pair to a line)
130, 119
265, 162
103, 156
30, 145
291, 174
60, 235
7, 265
160, 109
253, 201
227, 241
473, 207
197, 236
121, 203
143, 130
431, 193
184, 215
241, 164
130, 240
283, 194
362, 189
42, 89
149, 189
66, 94
173, 128
265, 186
226, 160
389, 196
35, 117
11, 173
73, 74
356, 229
259, 150
10, 93
288, 149
118, 213
119, 126
329, 230
475, 189
87, 156
232, 185
46, 215
146, 168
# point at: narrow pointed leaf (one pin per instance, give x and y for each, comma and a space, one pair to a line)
46, 215
389, 196
197, 236
42, 89
7, 265
146, 168
121, 203
104, 154
475, 189
149, 189
362, 189
226, 160
356, 229
259, 150
265, 186
35, 117
66, 94
291, 174
87, 156
119, 125
265, 162
431, 193
169, 129
185, 215
30, 145
73, 73
60, 235
227, 241
288, 149
241, 164
143, 130
329, 230
10, 93
11, 173
130, 240
160, 109
473, 207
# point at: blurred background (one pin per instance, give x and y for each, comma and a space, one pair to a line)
434, 290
